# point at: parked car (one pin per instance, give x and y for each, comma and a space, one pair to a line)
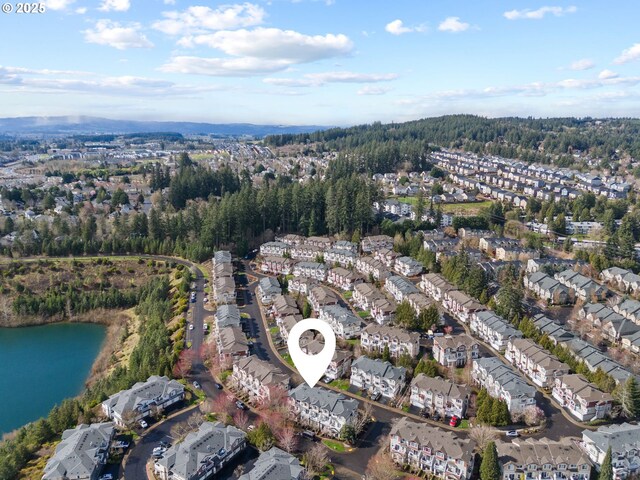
106, 476
165, 444
159, 450
218, 386
308, 434
143, 424
240, 405
251, 428
196, 385
191, 326
454, 421
512, 433
376, 396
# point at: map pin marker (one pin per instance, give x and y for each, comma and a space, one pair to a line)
311, 367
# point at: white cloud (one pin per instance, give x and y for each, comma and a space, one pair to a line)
397, 27
57, 4
81, 10
169, 2
539, 13
116, 35
373, 90
115, 5
630, 54
583, 64
319, 79
223, 67
45, 80
199, 19
453, 24
607, 74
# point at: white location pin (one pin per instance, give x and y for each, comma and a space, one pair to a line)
311, 367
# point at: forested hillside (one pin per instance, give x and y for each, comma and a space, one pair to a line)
382, 148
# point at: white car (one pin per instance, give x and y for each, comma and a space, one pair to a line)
512, 433
106, 476
143, 424
191, 326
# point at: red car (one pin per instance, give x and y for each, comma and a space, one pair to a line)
454, 421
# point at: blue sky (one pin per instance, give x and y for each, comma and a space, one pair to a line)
329, 62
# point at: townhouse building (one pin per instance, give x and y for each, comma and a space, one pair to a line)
306, 252
277, 265
399, 287
503, 383
420, 302
267, 290
377, 376
408, 266
624, 441
455, 351
439, 395
301, 285
345, 258
535, 362
382, 311
202, 453
344, 323
376, 242
227, 316
430, 450
346, 246
340, 364
275, 464
224, 290
144, 399
323, 243
258, 378
547, 288
542, 459
490, 244
232, 344
493, 329
322, 410
435, 285
81, 454
364, 294
369, 266
461, 305
320, 297
387, 256
583, 287
344, 279
286, 323
274, 249
612, 325
582, 399
291, 239
375, 338
621, 279
510, 254
314, 270
629, 309
284, 305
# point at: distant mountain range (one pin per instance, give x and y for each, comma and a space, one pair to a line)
76, 125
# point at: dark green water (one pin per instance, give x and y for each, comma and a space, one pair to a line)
41, 366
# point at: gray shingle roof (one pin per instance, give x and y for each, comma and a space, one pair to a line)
275, 464
324, 399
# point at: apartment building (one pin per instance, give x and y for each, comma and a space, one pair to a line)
582, 399
142, 400
399, 287
435, 285
314, 270
343, 321
375, 338
503, 383
542, 459
430, 450
258, 378
624, 441
201, 454
455, 351
340, 364
461, 305
377, 376
493, 329
439, 395
275, 464
277, 265
535, 362
344, 279
322, 410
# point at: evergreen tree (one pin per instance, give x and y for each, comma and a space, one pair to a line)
490, 468
606, 469
429, 317
630, 398
406, 316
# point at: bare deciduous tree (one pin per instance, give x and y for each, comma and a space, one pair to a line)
364, 415
482, 435
381, 467
288, 439
315, 459
241, 420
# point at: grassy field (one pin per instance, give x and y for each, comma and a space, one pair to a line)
340, 384
465, 208
335, 446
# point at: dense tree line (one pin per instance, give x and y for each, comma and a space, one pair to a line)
491, 411
235, 220
382, 148
466, 275
70, 298
152, 356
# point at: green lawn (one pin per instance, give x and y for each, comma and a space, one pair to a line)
353, 341
347, 295
274, 330
465, 207
340, 384
335, 446
464, 423
287, 358
363, 314
409, 200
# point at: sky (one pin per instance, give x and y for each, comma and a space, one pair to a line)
320, 62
